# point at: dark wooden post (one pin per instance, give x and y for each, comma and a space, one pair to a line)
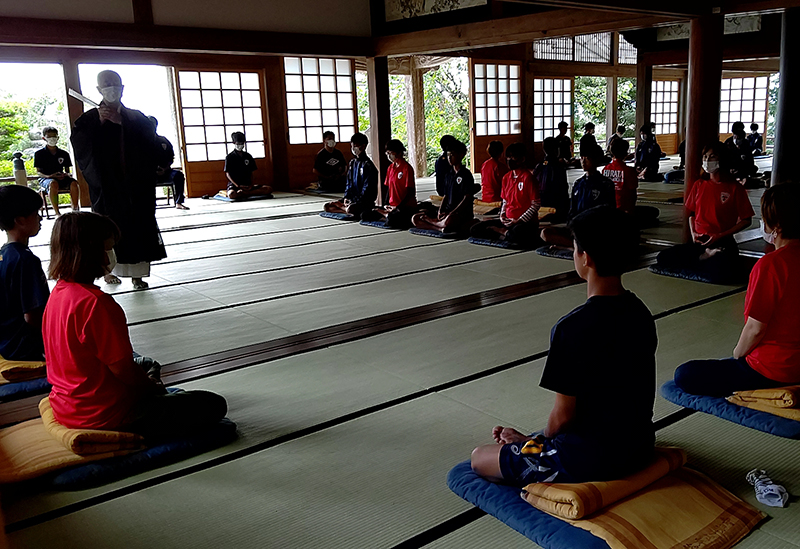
787, 139
380, 114
277, 123
644, 89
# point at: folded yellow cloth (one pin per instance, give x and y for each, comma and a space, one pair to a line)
87, 441
684, 509
788, 413
575, 501
779, 397
487, 204
18, 370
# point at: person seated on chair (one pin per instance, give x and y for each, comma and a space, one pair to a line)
551, 175
648, 155
329, 166
52, 166
717, 208
590, 190
455, 213
619, 134
23, 285
239, 168
519, 214
166, 175
755, 140
624, 177
768, 352
564, 144
601, 367
361, 189
402, 190
492, 172
97, 383
442, 166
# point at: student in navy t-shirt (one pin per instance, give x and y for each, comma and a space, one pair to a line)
52, 166
239, 168
442, 166
602, 369
361, 188
23, 285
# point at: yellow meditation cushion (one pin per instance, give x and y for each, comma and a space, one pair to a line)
18, 370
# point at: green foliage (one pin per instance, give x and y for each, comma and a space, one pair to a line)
446, 107
397, 99
774, 86
7, 168
12, 126
21, 123
590, 105
626, 105
362, 100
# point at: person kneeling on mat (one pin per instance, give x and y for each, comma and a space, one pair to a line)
239, 168
455, 213
551, 175
361, 189
590, 190
97, 382
768, 352
519, 213
602, 367
718, 208
401, 188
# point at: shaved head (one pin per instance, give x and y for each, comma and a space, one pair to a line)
108, 78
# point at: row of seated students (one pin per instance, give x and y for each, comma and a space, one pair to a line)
81, 332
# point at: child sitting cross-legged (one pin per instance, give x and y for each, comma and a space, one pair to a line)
361, 189
401, 202
602, 369
97, 383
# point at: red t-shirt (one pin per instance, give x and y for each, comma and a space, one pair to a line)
519, 192
773, 298
402, 187
717, 206
84, 331
625, 181
492, 173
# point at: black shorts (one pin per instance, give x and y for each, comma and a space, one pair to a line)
533, 461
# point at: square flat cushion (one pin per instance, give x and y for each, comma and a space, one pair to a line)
377, 224
505, 504
695, 276
432, 233
23, 389
555, 251
493, 243
338, 216
224, 198
755, 419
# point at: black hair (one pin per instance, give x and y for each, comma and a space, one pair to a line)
550, 146
754, 127
17, 201
458, 148
562, 123
588, 126
48, 129
328, 133
737, 127
594, 153
445, 141
238, 137
154, 120
516, 150
609, 236
779, 207
495, 148
395, 145
646, 128
621, 128
619, 148
723, 153
359, 139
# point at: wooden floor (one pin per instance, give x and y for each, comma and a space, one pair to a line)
360, 365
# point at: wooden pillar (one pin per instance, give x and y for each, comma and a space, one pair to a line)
415, 117
380, 114
787, 139
705, 75
644, 88
526, 100
611, 106
74, 111
277, 128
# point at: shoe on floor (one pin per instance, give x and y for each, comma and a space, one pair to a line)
181, 207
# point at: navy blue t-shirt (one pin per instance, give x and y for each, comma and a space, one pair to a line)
240, 167
442, 167
362, 181
48, 162
603, 353
457, 186
23, 289
591, 190
648, 154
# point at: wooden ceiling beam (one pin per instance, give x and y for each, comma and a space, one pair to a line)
680, 8
513, 30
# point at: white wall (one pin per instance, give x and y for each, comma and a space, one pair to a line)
333, 17
117, 11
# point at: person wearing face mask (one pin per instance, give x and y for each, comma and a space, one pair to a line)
52, 166
329, 167
361, 189
551, 175
239, 168
648, 155
402, 191
718, 208
117, 152
519, 213
755, 140
744, 164
768, 351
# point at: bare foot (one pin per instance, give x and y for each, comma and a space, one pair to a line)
508, 435
181, 207
139, 284
111, 279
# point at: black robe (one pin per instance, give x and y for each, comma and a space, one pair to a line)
119, 163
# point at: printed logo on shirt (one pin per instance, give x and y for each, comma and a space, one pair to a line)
723, 197
246, 161
332, 162
595, 194
520, 185
400, 175
164, 146
61, 160
458, 180
362, 171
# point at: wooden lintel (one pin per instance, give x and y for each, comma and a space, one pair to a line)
143, 12
513, 30
757, 6
734, 51
683, 8
563, 68
21, 31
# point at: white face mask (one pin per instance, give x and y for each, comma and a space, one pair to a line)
52, 141
711, 166
112, 260
330, 143
768, 237
111, 94
238, 146
355, 150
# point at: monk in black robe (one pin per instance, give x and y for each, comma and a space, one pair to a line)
117, 151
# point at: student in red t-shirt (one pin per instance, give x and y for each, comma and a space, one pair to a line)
625, 178
718, 208
519, 214
768, 351
97, 383
492, 173
402, 191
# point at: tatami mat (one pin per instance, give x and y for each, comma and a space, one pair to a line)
484, 533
